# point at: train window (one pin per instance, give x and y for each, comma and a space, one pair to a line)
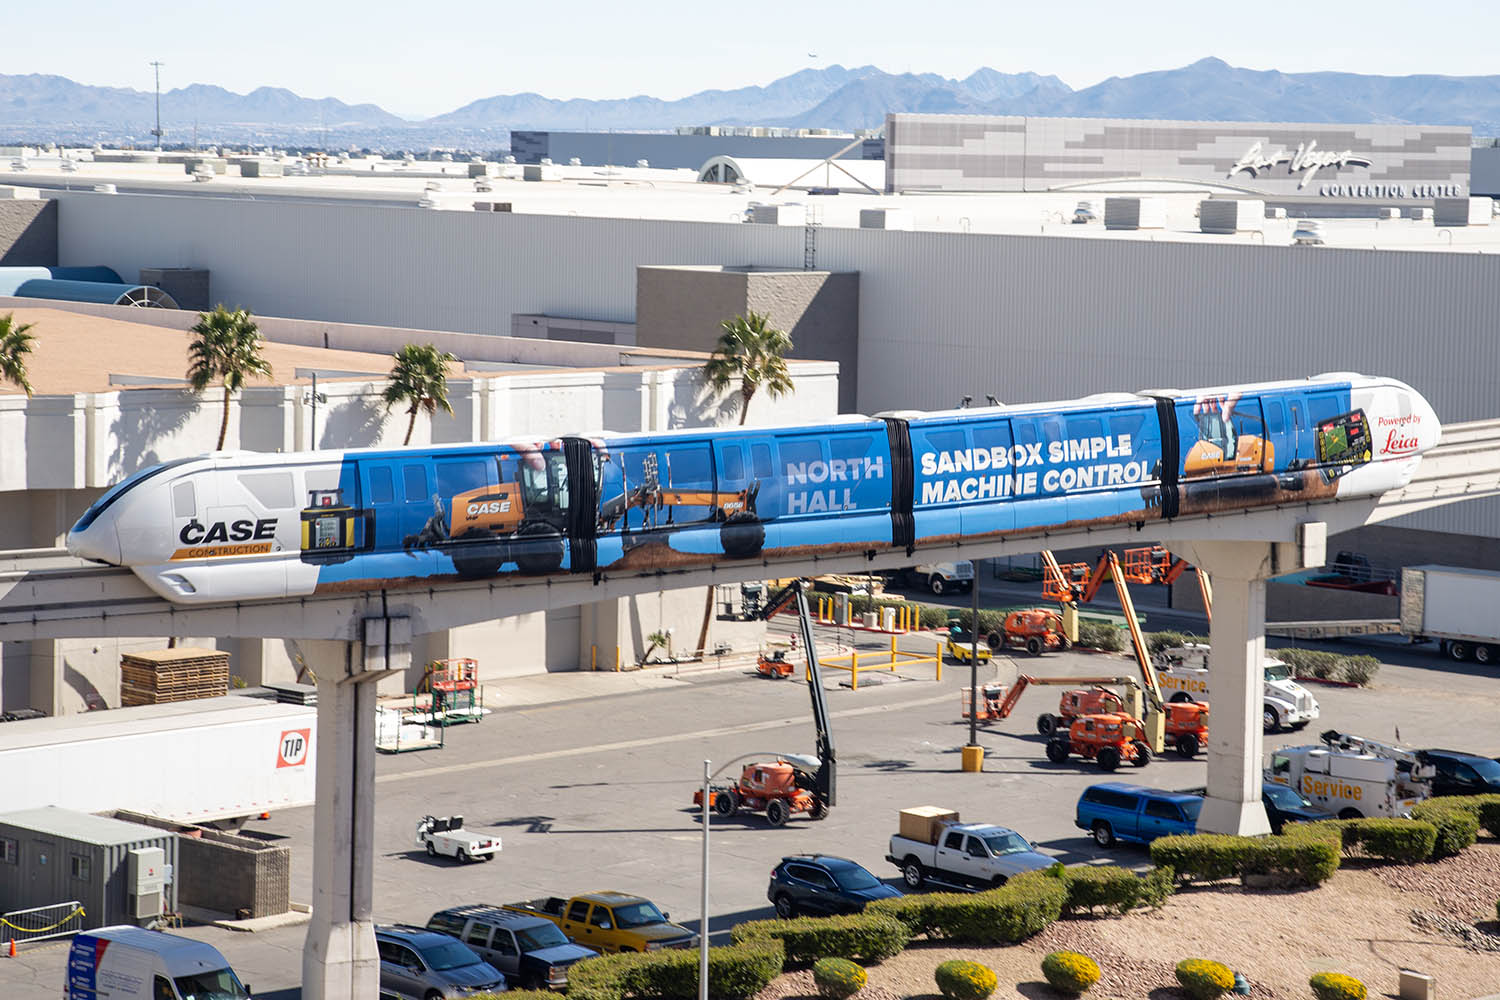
183, 504
1128, 423
1275, 416
415, 479
382, 487
732, 462
690, 466
454, 478
800, 458
1089, 426
950, 441
760, 461
1323, 406
851, 447
273, 490
991, 436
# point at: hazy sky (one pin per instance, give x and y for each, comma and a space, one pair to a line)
416, 59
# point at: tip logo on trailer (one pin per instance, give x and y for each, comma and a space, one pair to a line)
292, 750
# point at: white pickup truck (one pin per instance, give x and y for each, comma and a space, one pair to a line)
1183, 675
446, 835
972, 855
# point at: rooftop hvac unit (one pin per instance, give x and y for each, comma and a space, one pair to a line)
1085, 213
885, 218
1231, 215
1421, 214
1134, 213
68, 166
1461, 211
1388, 213
1309, 233
432, 186
574, 161
1276, 213
483, 185
643, 163
145, 876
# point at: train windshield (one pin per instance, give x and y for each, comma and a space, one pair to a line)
546, 486
119, 489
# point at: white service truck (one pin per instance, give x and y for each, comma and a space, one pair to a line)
943, 577
1454, 606
215, 761
446, 835
1183, 675
1353, 776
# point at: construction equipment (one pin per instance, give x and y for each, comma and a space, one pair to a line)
961, 645
1355, 776
1107, 739
742, 532
1078, 583
791, 783
773, 661
1064, 589
1037, 629
520, 516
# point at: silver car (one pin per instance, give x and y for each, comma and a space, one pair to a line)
418, 964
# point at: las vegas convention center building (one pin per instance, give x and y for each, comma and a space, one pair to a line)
962, 274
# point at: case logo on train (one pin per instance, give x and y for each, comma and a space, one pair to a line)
244, 537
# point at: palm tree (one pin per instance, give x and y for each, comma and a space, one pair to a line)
754, 353
226, 347
15, 344
419, 379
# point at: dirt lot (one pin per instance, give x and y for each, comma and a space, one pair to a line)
1359, 922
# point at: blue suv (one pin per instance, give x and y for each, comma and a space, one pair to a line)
821, 883
1113, 811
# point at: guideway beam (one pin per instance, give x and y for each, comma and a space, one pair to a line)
339, 960
1239, 571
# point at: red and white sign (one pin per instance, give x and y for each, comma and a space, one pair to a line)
292, 752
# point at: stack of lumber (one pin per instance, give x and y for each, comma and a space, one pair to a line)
156, 676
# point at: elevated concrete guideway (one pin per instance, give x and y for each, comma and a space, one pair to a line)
351, 640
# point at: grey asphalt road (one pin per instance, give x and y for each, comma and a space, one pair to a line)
596, 793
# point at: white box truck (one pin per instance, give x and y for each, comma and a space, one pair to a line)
214, 760
1455, 606
132, 963
1183, 674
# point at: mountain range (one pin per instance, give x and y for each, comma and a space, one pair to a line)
36, 107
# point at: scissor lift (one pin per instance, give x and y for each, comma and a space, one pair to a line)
455, 689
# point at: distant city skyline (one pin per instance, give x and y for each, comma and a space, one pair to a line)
422, 62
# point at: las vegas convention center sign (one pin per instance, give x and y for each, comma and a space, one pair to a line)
1307, 160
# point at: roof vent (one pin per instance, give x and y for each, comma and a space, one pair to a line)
1309, 233
104, 189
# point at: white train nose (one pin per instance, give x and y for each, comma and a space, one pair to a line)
99, 542
1429, 429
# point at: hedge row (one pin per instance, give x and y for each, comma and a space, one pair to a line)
866, 938
1115, 889
1308, 854
1326, 666
736, 972
1022, 907
1485, 809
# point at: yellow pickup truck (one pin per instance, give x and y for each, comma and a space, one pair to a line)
610, 921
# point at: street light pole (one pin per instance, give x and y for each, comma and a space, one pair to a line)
703, 902
156, 65
974, 662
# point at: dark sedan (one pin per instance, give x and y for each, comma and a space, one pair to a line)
821, 883
1286, 805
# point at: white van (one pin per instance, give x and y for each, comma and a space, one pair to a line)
132, 963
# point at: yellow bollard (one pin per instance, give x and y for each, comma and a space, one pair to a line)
617, 659
893, 654
593, 658
938, 659
854, 671
973, 758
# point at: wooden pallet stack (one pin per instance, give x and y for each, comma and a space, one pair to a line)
157, 676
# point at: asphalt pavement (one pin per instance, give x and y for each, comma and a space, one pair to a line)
588, 779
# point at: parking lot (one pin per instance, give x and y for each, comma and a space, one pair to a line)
590, 782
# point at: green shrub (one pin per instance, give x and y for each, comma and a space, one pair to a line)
1323, 665
961, 980
737, 972
838, 978
1100, 635
1457, 826
1070, 971
1156, 885
1089, 886
1484, 808
1204, 979
1404, 841
1308, 853
1156, 642
1336, 986
933, 617
1022, 907
864, 937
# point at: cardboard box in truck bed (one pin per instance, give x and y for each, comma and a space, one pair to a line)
209, 760
923, 822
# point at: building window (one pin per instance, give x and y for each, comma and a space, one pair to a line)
79, 867
7, 850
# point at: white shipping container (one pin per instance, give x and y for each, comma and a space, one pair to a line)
192, 762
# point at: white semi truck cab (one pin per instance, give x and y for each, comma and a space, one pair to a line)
1183, 675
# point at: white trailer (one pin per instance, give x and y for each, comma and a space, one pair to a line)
212, 760
1454, 606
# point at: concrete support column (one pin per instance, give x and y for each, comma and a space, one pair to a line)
1236, 671
339, 959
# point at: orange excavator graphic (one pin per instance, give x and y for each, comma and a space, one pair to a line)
741, 533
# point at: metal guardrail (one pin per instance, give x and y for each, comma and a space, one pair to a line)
42, 922
1334, 629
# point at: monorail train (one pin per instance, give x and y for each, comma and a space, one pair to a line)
242, 526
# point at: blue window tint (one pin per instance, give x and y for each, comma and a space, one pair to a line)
732, 464
415, 478
382, 487
760, 460
454, 478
